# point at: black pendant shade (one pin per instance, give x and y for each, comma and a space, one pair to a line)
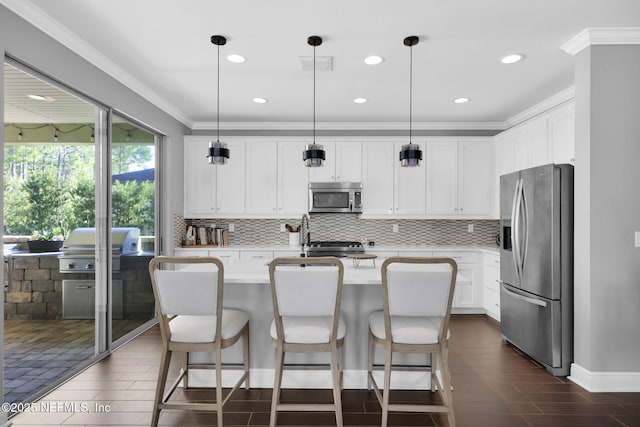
218, 152
314, 154
410, 155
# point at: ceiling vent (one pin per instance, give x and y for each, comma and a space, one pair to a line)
323, 63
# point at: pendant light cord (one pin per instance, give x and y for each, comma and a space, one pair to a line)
218, 99
410, 89
314, 94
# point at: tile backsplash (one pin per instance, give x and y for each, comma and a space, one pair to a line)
411, 232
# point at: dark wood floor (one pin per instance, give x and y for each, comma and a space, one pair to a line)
494, 386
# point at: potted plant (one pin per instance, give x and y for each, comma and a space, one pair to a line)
45, 211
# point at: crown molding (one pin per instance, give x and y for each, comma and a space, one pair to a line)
53, 28
549, 103
601, 36
350, 126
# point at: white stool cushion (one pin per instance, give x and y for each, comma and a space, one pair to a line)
308, 329
198, 329
407, 329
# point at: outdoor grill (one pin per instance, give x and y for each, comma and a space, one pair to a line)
77, 262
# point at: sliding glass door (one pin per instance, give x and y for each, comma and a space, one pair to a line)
78, 174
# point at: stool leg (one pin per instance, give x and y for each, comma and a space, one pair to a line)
245, 350
446, 380
277, 383
219, 385
165, 361
387, 384
335, 374
371, 354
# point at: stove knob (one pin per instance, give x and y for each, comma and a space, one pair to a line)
89, 266
71, 266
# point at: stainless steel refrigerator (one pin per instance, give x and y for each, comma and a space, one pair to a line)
536, 264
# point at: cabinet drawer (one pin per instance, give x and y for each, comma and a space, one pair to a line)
492, 259
459, 257
287, 253
265, 256
415, 253
225, 255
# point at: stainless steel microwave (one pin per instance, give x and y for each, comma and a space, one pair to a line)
335, 197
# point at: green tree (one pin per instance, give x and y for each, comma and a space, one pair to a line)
45, 205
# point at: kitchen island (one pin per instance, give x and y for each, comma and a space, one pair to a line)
247, 288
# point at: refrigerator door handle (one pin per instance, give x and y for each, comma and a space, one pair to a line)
525, 220
523, 298
515, 243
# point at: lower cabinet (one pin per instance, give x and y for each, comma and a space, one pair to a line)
492, 285
467, 297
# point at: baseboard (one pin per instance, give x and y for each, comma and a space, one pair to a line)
599, 382
304, 378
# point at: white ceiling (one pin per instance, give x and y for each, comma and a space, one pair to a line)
162, 50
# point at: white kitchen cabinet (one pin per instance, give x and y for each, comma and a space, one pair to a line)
256, 256
212, 190
491, 275
190, 252
343, 163
223, 254
561, 127
377, 177
293, 179
460, 178
409, 192
467, 297
261, 177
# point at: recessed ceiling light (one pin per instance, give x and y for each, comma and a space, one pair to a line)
461, 100
238, 59
360, 100
41, 98
373, 60
512, 59
260, 100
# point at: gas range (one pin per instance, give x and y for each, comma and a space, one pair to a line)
334, 248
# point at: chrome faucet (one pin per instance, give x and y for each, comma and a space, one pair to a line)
305, 236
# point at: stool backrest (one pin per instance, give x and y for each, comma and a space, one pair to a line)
187, 286
418, 286
314, 289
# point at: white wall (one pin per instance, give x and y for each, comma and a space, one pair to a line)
607, 265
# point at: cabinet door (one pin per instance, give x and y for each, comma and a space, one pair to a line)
538, 144
327, 172
465, 295
348, 161
261, 177
475, 178
561, 127
442, 177
293, 179
520, 149
409, 186
199, 180
377, 177
230, 181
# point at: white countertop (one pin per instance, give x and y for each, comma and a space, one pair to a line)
382, 248
246, 272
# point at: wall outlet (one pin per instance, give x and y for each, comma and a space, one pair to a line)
232, 227
469, 228
395, 228
637, 234
282, 228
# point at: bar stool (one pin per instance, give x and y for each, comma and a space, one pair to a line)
417, 296
192, 319
306, 307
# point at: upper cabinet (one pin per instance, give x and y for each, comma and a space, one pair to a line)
293, 179
276, 179
408, 184
211, 190
460, 178
343, 163
547, 138
377, 177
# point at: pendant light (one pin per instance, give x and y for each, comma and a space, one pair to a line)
218, 151
410, 155
313, 154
